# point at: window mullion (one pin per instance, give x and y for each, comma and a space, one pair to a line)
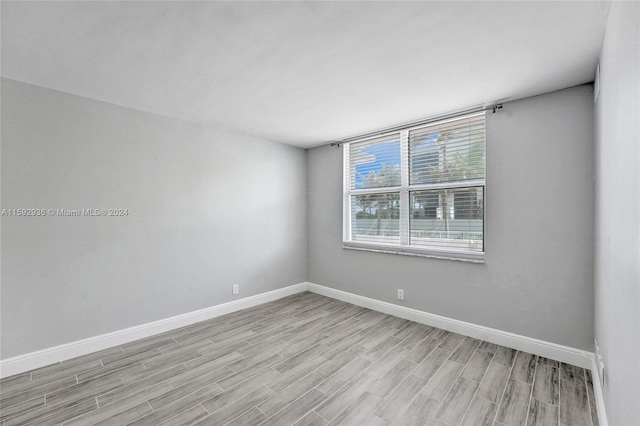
346, 201
404, 188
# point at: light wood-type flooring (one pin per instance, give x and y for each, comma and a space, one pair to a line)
304, 360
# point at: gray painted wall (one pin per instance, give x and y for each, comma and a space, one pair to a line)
206, 209
617, 236
538, 277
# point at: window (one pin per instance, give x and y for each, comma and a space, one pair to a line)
419, 190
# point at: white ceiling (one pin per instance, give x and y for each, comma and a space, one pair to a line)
302, 73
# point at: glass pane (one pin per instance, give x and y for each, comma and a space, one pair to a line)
376, 218
375, 163
450, 219
447, 152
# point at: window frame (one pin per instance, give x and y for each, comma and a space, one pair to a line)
405, 189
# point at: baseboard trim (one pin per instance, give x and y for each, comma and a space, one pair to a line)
550, 350
41, 358
597, 390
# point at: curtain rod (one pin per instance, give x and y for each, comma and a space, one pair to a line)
417, 123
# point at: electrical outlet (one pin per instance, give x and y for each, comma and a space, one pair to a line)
235, 289
400, 294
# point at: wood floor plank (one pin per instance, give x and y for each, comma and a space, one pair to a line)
480, 413
574, 403
18, 395
56, 416
124, 416
20, 378
418, 412
452, 341
242, 375
546, 383
440, 383
542, 414
63, 400
336, 349
432, 363
176, 407
237, 407
112, 411
275, 331
381, 366
572, 374
302, 357
146, 344
129, 391
251, 417
84, 390
289, 394
454, 406
398, 400
375, 338
250, 361
20, 408
124, 358
381, 348
347, 395
409, 328
213, 360
60, 371
187, 417
524, 367
477, 365
488, 347
115, 370
493, 384
283, 380
343, 376
428, 345
311, 419
305, 360
302, 345
222, 399
592, 399
333, 365
145, 373
213, 373
416, 337
180, 392
515, 404
173, 358
465, 350
505, 356
297, 409
388, 382
358, 412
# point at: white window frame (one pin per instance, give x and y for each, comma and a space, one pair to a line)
404, 189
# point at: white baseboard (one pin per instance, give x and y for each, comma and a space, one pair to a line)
30, 361
515, 341
597, 391
26, 362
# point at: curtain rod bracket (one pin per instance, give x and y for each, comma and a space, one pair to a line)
335, 144
495, 107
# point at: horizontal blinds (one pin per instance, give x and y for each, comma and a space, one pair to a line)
421, 188
451, 151
375, 163
447, 219
376, 218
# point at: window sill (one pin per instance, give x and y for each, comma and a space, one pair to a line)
413, 251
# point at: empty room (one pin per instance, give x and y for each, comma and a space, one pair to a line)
320, 213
